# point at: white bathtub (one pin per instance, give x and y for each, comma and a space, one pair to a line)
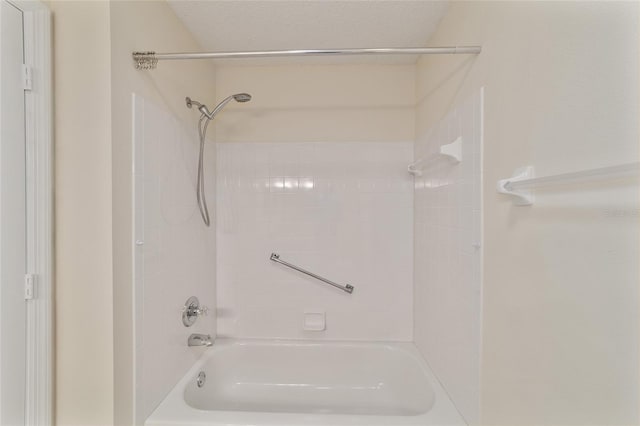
302, 383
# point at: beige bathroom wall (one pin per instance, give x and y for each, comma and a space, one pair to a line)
316, 102
560, 281
136, 26
94, 82
83, 293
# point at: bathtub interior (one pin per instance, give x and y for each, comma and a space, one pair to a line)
314, 379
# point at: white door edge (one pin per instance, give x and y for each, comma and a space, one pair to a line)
39, 140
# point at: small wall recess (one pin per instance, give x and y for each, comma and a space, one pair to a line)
314, 321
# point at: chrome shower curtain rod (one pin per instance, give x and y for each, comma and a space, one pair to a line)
149, 60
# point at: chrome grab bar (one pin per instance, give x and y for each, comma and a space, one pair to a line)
348, 287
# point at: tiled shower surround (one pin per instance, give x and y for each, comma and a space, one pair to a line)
174, 251
348, 211
448, 249
341, 210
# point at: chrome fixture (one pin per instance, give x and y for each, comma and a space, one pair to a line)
205, 117
149, 60
192, 310
347, 288
239, 97
199, 340
202, 378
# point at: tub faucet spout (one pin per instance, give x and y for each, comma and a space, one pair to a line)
200, 340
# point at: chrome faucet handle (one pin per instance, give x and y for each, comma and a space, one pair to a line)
201, 311
192, 310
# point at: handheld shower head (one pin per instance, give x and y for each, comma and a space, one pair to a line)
242, 97
202, 130
238, 97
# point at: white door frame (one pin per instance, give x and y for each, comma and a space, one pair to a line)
39, 192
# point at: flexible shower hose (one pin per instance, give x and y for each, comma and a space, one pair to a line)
200, 193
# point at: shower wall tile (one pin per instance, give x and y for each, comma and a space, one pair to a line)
341, 210
448, 250
174, 252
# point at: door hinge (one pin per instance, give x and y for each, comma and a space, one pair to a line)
29, 286
27, 77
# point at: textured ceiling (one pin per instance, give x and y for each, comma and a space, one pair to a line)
240, 25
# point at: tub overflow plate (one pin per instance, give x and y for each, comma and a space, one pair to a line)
202, 377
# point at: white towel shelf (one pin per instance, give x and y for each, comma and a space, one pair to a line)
520, 185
